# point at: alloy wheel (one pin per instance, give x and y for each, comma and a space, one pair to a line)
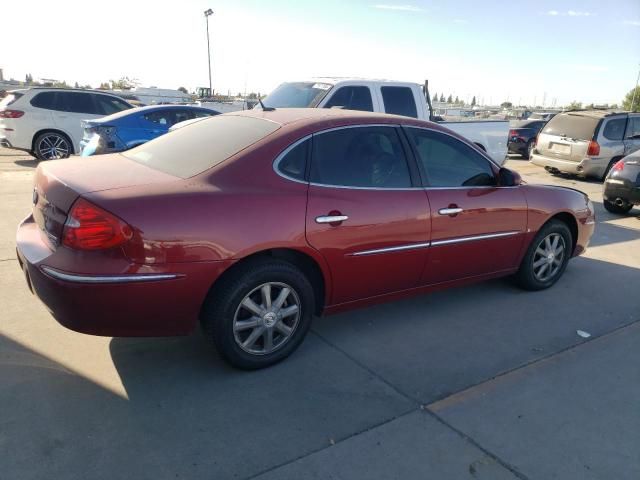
53, 147
266, 318
549, 257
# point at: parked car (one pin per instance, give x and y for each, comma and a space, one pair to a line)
252, 222
130, 128
586, 143
622, 185
522, 136
46, 122
544, 116
385, 96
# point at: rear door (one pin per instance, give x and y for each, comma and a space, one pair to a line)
632, 134
567, 136
477, 227
366, 213
71, 108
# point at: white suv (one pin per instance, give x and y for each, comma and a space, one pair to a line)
46, 122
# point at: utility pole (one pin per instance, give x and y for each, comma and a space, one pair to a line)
635, 90
207, 14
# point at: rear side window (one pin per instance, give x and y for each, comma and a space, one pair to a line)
448, 162
293, 163
187, 151
161, 117
203, 113
614, 129
352, 98
76, 102
181, 116
399, 101
578, 127
366, 157
109, 105
44, 100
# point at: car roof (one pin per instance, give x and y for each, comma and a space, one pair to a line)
593, 113
285, 116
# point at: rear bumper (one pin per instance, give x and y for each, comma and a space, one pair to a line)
621, 188
142, 301
517, 147
587, 167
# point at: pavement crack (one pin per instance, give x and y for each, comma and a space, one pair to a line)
8, 259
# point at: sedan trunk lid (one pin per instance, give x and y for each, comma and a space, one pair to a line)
59, 183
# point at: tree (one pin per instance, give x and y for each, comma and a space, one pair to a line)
614, 106
449, 99
435, 97
473, 101
183, 90
574, 105
76, 85
627, 102
457, 100
442, 97
125, 83
104, 86
506, 104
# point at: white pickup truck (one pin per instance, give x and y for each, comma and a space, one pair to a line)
399, 98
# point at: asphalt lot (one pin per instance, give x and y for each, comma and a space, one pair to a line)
482, 382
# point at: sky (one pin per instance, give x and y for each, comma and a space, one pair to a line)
514, 50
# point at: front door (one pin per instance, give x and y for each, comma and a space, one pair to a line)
366, 214
477, 227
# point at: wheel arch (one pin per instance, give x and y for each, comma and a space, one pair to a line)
313, 269
52, 130
570, 221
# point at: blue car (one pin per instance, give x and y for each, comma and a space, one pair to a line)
130, 128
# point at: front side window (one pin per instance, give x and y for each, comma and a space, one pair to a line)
399, 101
351, 98
369, 157
448, 162
76, 102
614, 129
181, 116
633, 128
203, 113
108, 105
294, 163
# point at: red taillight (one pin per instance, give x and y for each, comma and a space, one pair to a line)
11, 113
619, 165
88, 227
513, 133
594, 149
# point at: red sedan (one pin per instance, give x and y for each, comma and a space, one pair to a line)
252, 222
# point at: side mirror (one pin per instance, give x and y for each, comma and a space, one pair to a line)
508, 178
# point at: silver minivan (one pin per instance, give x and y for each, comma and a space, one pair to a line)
586, 143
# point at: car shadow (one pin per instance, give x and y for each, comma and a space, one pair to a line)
27, 163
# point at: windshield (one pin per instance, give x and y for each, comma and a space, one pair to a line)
297, 95
190, 150
578, 127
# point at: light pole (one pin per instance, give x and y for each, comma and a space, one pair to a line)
207, 14
635, 90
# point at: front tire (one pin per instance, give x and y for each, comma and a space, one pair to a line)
613, 208
260, 314
546, 258
52, 146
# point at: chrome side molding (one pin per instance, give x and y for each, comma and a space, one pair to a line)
72, 277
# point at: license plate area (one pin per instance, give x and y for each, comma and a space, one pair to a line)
560, 148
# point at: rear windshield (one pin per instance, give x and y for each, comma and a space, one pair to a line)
572, 126
9, 99
297, 95
187, 151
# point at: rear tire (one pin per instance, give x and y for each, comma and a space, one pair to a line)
546, 258
613, 208
244, 320
52, 146
530, 146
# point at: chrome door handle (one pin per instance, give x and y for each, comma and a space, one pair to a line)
331, 218
450, 211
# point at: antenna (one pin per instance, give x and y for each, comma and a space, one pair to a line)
265, 109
